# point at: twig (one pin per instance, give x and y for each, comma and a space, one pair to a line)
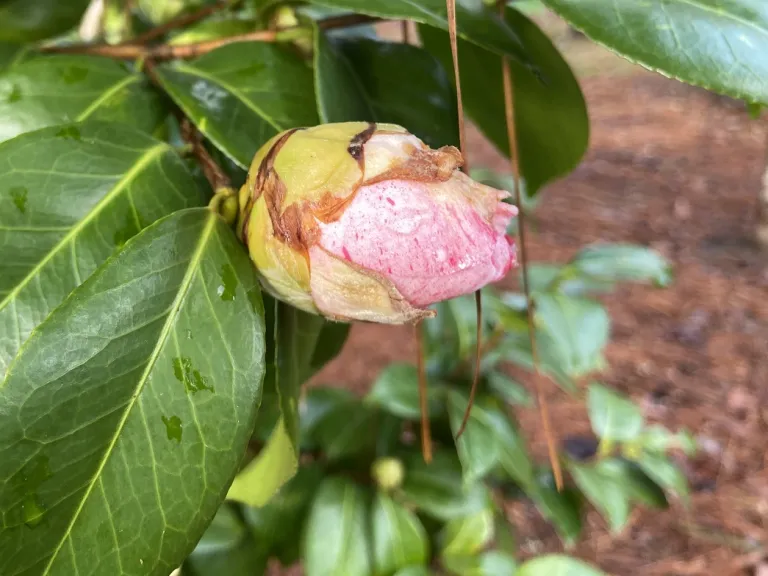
406, 34
426, 438
213, 172
170, 52
514, 156
451, 8
183, 20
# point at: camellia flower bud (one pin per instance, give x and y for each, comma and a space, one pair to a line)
358, 221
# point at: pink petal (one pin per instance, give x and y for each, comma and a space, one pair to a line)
433, 241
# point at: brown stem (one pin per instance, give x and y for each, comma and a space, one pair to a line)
451, 9
406, 33
169, 52
213, 172
426, 437
183, 20
514, 156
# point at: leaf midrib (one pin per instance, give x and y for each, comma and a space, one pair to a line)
148, 156
163, 336
105, 96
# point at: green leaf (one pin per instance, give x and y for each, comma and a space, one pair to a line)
557, 565
474, 21
25, 21
468, 535
414, 571
396, 390
339, 91
314, 408
622, 262
509, 390
603, 486
438, 489
710, 43
488, 440
572, 332
613, 417
406, 85
10, 53
226, 548
398, 538
295, 336
330, 342
564, 280
491, 563
211, 30
70, 195
243, 94
336, 540
276, 526
554, 105
656, 438
561, 508
137, 394
664, 472
347, 430
50, 90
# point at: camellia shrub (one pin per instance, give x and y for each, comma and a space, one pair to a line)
197, 198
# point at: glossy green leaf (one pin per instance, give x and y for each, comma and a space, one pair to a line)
614, 417
621, 262
396, 390
406, 85
438, 489
489, 439
226, 548
572, 333
557, 565
508, 390
276, 525
242, 94
565, 280
50, 90
26, 21
336, 536
491, 563
339, 90
128, 410
69, 196
348, 429
664, 472
295, 337
467, 535
720, 45
398, 538
315, 406
475, 22
330, 342
550, 112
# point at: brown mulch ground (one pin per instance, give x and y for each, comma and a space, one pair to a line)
677, 169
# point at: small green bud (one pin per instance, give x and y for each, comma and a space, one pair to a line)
388, 473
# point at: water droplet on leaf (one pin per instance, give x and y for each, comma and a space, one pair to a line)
172, 427
186, 374
188, 334
229, 283
33, 511
19, 196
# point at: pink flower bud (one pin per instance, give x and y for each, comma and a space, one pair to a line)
359, 221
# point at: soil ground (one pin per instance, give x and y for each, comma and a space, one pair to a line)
677, 169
